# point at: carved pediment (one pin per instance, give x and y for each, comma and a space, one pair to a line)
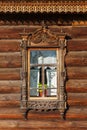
43, 36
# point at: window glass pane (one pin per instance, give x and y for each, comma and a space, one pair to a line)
34, 81
52, 81
43, 73
43, 57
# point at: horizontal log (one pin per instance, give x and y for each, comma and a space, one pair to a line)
77, 96
13, 32
7, 86
76, 58
77, 72
79, 32
77, 45
9, 104
9, 45
72, 73
76, 86
44, 128
73, 32
9, 97
42, 124
9, 74
77, 99
10, 60
15, 113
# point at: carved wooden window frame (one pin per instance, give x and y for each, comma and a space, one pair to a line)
51, 41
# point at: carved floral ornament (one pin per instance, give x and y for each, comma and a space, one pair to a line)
40, 38
40, 6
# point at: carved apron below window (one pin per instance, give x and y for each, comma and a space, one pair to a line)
43, 72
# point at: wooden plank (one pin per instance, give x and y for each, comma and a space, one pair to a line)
77, 45
77, 72
76, 58
72, 31
10, 103
8, 97
77, 99
41, 124
9, 74
45, 128
12, 86
76, 86
72, 113
13, 32
10, 60
79, 32
9, 45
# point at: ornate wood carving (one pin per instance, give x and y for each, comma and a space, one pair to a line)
41, 6
44, 38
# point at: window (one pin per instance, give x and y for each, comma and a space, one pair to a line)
43, 72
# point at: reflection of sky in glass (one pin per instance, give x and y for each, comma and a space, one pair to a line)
43, 57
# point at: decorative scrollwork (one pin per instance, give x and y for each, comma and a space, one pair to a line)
44, 37
41, 6
43, 105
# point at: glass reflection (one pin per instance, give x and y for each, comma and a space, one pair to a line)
43, 68
43, 57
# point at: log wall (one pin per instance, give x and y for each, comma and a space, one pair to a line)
11, 117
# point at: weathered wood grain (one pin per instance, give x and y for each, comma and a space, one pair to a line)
10, 60
76, 86
11, 116
77, 45
9, 74
77, 72
76, 58
10, 103
15, 113
12, 86
77, 99
79, 32
13, 32
9, 45
45, 128
8, 97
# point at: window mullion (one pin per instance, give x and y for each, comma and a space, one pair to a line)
43, 79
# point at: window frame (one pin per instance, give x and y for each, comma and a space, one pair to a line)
57, 56
43, 38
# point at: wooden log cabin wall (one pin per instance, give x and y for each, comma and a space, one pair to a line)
72, 21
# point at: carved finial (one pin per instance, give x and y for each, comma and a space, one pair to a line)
44, 26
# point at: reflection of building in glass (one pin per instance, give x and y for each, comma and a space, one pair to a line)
43, 72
